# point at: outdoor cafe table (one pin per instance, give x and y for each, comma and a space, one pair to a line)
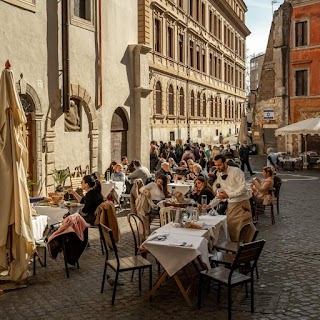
107, 186
180, 247
181, 187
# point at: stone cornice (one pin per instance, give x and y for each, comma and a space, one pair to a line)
227, 10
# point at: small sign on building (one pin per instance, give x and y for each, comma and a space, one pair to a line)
268, 114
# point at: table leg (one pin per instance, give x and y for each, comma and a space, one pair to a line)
183, 291
156, 285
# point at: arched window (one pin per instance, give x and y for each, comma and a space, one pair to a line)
226, 108
232, 110
192, 103
198, 105
171, 100
220, 108
229, 109
181, 102
216, 107
158, 98
204, 106
211, 107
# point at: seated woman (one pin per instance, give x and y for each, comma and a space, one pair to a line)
157, 191
201, 188
118, 174
110, 170
92, 199
262, 190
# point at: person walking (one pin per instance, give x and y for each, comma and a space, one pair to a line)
244, 157
231, 186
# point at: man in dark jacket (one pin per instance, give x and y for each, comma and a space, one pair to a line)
244, 157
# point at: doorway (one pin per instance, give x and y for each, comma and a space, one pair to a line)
119, 130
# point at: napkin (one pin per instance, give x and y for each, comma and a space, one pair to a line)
159, 236
180, 244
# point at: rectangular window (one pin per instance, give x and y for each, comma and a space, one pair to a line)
82, 9
203, 14
217, 132
157, 35
172, 136
198, 58
211, 64
181, 4
215, 26
170, 42
301, 82
198, 10
199, 133
203, 61
191, 54
180, 48
210, 21
301, 34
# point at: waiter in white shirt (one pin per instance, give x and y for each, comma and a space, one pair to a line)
231, 185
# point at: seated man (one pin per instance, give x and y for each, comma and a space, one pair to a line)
164, 170
140, 172
198, 172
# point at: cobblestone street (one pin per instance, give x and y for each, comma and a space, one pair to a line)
288, 288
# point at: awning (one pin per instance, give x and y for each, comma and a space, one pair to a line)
308, 126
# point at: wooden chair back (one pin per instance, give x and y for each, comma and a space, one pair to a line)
248, 233
108, 241
248, 254
167, 214
138, 231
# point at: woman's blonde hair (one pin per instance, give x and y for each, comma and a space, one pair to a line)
118, 165
268, 170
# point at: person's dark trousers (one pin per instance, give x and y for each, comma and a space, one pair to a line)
246, 162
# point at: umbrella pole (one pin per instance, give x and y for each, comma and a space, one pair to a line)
305, 158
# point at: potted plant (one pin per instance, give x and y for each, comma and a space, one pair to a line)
60, 177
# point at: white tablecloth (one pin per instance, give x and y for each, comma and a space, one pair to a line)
55, 214
181, 187
174, 257
39, 224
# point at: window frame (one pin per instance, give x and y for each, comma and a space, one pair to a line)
81, 22
295, 82
296, 22
29, 5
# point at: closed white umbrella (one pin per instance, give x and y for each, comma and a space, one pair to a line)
243, 131
16, 236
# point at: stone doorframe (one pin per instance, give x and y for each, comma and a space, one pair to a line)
54, 112
36, 115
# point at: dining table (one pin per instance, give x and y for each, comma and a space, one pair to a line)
182, 186
175, 247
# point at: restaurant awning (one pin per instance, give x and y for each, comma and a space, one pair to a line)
304, 127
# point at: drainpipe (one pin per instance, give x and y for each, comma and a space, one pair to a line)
100, 55
65, 14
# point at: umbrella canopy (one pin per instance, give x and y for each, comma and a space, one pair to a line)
16, 236
243, 131
309, 126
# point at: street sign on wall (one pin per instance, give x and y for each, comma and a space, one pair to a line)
268, 114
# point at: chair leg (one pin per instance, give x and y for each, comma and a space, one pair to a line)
65, 257
132, 275
229, 302
101, 243
45, 257
272, 214
218, 293
252, 293
139, 280
257, 273
104, 276
278, 206
150, 278
34, 262
200, 291
115, 287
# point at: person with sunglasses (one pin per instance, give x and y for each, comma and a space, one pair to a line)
232, 187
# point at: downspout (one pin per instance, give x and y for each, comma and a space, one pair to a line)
100, 55
65, 14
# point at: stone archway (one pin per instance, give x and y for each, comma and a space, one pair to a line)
54, 112
119, 130
31, 104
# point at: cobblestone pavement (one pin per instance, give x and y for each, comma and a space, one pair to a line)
288, 288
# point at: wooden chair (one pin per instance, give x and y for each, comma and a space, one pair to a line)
248, 254
167, 214
121, 264
248, 233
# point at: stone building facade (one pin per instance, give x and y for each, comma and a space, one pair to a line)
272, 104
197, 67
109, 83
288, 87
